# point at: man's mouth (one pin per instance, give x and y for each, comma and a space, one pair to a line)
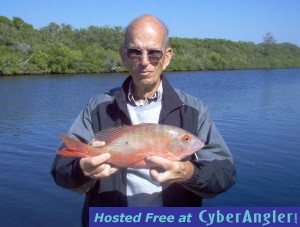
145, 73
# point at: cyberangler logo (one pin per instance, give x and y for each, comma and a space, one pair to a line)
247, 216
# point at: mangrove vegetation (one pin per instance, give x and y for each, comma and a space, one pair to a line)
65, 49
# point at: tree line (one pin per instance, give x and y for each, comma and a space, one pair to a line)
64, 49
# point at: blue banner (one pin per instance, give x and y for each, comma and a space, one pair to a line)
187, 216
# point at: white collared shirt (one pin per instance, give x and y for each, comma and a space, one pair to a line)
153, 98
141, 190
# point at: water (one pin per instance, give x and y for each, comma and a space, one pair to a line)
257, 112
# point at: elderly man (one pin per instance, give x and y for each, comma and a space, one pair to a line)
146, 97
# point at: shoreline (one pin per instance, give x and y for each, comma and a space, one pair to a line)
124, 72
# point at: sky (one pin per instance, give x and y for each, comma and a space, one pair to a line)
235, 20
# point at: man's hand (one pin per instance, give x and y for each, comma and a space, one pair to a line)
95, 167
173, 171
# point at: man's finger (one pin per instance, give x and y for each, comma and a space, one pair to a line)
157, 176
92, 162
104, 171
98, 160
97, 143
158, 162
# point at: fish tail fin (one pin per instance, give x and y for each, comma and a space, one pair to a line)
75, 148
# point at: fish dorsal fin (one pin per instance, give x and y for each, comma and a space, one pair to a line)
110, 134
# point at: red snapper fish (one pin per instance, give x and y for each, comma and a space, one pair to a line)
129, 145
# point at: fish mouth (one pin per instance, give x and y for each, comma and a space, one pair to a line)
198, 144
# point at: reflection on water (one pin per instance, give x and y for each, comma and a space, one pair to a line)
257, 111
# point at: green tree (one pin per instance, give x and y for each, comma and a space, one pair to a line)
268, 43
63, 49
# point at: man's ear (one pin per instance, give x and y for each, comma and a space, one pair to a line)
167, 57
122, 53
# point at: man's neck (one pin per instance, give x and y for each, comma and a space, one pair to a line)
144, 92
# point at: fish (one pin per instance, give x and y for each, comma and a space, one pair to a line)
129, 145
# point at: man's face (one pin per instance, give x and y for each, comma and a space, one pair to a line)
144, 71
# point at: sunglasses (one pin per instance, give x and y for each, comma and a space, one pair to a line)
154, 55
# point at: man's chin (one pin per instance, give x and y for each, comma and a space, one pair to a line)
143, 78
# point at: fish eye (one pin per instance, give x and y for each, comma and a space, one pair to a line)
185, 138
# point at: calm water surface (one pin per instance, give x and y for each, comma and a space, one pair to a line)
257, 111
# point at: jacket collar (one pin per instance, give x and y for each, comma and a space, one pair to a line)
170, 99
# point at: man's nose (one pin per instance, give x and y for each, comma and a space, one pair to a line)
144, 60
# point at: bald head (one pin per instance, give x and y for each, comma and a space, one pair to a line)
147, 22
